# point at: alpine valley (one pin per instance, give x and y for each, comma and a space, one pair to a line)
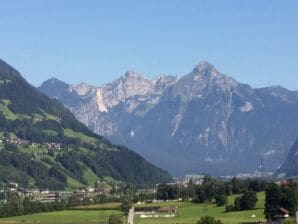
203, 122
43, 145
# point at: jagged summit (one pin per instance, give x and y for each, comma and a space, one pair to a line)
205, 71
54, 80
202, 120
133, 74
204, 66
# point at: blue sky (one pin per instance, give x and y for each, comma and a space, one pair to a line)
254, 41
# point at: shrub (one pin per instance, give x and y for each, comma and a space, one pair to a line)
209, 220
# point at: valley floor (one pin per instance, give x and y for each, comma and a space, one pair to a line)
190, 213
187, 213
64, 217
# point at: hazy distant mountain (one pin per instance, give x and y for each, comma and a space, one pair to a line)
51, 149
290, 166
202, 122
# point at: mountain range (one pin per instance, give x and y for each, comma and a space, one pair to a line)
202, 122
43, 145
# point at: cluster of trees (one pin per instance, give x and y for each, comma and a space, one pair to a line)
116, 219
126, 205
71, 161
284, 196
214, 190
106, 162
16, 206
245, 202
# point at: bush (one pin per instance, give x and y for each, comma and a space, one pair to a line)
230, 208
115, 219
126, 205
246, 202
221, 199
209, 220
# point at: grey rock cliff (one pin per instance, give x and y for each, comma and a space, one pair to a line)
202, 122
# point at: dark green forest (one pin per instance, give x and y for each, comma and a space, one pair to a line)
28, 115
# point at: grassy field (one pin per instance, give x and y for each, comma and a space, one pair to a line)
8, 114
72, 134
90, 176
99, 206
190, 213
64, 217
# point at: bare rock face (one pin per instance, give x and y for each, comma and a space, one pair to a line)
290, 167
202, 122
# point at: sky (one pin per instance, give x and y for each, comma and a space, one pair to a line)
97, 41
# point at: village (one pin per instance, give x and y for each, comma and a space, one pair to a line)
21, 142
85, 195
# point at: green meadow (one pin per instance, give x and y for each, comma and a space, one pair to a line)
85, 216
190, 213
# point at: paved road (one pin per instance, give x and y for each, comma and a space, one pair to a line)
131, 215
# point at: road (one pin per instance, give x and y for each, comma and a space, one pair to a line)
131, 215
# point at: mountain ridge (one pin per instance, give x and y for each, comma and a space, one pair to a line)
290, 166
201, 121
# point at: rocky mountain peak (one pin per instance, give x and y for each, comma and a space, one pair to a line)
203, 81
129, 85
54, 83
54, 80
132, 74
203, 120
205, 72
204, 67
83, 89
163, 82
132, 80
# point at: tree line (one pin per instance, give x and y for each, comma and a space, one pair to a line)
217, 191
281, 196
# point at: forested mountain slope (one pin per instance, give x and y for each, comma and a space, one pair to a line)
42, 144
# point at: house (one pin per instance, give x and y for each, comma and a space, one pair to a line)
156, 209
12, 187
167, 210
281, 215
48, 197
